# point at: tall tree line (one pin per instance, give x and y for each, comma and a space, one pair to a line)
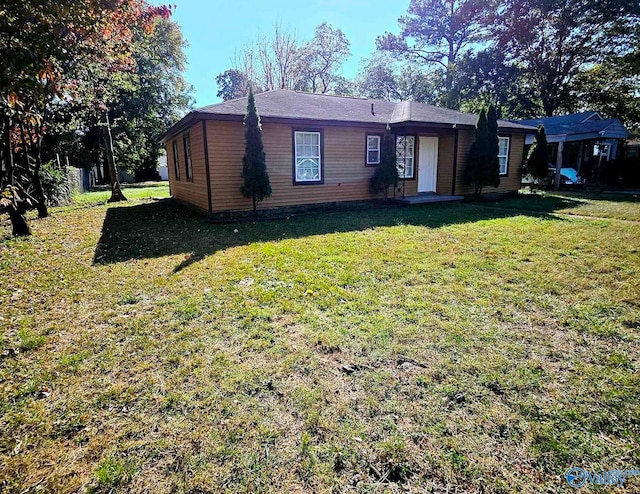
529, 58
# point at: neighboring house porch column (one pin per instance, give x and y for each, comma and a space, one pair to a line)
556, 182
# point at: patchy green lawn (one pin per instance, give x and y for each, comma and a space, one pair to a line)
148, 190
439, 348
577, 203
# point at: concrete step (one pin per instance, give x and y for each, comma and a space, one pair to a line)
427, 198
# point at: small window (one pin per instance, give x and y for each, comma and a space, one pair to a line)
186, 142
405, 147
503, 154
603, 150
373, 150
176, 163
308, 157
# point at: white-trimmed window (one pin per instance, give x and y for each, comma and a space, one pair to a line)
308, 157
186, 142
176, 162
503, 154
405, 155
373, 150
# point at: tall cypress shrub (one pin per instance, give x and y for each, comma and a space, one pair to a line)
477, 155
537, 163
483, 166
254, 166
492, 172
386, 173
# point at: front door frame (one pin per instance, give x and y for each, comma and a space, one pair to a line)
427, 183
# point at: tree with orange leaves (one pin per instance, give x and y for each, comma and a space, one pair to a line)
64, 52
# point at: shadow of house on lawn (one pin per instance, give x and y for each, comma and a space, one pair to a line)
164, 228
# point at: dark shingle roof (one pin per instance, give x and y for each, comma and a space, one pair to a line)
587, 123
287, 104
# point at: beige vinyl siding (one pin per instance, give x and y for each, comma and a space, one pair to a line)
193, 192
446, 144
508, 183
346, 178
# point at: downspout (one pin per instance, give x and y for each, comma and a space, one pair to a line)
455, 162
206, 163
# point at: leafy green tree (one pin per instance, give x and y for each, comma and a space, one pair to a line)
437, 32
537, 162
232, 84
554, 41
485, 77
386, 173
341, 86
482, 164
321, 58
254, 166
156, 98
612, 89
50, 52
383, 77
378, 78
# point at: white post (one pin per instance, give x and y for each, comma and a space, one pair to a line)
556, 182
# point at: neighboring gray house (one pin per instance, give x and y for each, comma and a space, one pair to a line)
580, 140
163, 169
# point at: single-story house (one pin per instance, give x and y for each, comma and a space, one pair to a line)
580, 140
322, 148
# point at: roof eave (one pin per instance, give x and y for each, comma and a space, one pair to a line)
196, 115
294, 120
179, 126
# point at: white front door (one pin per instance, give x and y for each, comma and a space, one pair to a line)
427, 164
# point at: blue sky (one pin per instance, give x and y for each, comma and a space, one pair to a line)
215, 28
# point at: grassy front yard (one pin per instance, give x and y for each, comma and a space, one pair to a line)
442, 348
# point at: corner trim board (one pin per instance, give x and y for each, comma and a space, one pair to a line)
455, 162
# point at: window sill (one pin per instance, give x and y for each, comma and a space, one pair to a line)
308, 182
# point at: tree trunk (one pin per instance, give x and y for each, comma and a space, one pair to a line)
100, 161
41, 204
255, 209
116, 191
478, 192
18, 222
41, 201
451, 100
549, 104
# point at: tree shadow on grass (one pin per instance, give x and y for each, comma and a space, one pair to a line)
162, 228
